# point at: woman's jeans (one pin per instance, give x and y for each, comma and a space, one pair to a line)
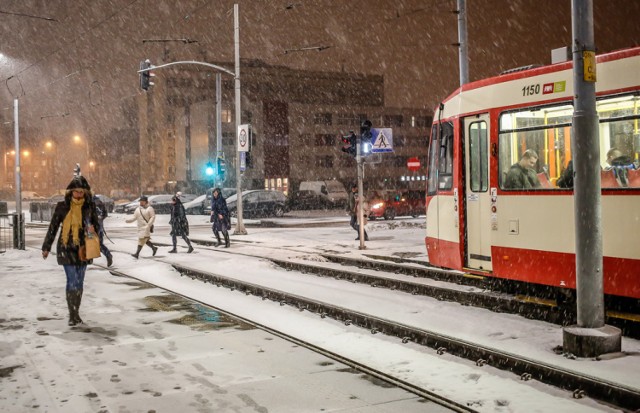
75, 276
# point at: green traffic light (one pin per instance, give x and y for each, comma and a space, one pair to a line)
209, 169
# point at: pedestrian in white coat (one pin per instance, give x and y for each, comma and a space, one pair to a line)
144, 216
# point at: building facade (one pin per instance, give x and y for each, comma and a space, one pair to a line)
297, 119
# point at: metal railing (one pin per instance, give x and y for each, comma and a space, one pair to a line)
12, 233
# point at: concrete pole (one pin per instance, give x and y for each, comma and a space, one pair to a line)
187, 141
463, 56
591, 337
240, 230
218, 122
359, 221
18, 222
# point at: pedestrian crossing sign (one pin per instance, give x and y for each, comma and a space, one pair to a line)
381, 140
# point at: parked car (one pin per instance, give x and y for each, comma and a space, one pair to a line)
393, 204
226, 193
331, 191
196, 207
259, 203
108, 202
32, 196
308, 199
162, 203
121, 205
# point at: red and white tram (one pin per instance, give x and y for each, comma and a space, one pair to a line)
480, 223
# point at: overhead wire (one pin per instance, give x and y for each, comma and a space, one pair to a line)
109, 17
95, 83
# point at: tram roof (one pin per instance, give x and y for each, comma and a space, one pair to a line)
617, 71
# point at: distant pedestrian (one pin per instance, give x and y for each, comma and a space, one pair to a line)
76, 214
102, 212
179, 224
352, 210
220, 217
144, 216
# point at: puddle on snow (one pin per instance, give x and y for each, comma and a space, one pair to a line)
194, 315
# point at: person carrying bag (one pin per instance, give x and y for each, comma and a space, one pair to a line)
78, 222
145, 226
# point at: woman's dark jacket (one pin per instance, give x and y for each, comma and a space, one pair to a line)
178, 221
219, 206
68, 255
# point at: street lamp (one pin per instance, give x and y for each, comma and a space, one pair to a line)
78, 140
50, 163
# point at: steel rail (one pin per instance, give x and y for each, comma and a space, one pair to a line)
424, 393
580, 384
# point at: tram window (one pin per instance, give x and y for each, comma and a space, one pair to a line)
441, 158
620, 135
445, 162
478, 159
432, 170
544, 130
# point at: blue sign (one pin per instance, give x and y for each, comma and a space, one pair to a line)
243, 161
381, 140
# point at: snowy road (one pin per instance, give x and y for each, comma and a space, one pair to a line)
486, 389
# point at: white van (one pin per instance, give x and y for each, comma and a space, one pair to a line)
333, 190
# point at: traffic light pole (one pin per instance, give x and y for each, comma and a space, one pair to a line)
360, 212
240, 229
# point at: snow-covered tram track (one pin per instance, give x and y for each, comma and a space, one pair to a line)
425, 393
576, 382
443, 284
459, 384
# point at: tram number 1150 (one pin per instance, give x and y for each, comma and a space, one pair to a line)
531, 90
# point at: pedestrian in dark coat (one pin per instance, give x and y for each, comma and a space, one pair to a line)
220, 217
77, 217
101, 211
179, 224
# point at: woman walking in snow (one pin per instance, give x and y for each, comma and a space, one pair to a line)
179, 224
220, 217
144, 216
76, 214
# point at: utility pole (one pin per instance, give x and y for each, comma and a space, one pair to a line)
360, 218
219, 152
18, 222
591, 337
463, 56
240, 230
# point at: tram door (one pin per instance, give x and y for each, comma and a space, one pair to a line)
477, 194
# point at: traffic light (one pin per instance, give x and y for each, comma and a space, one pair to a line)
146, 76
209, 169
349, 144
221, 168
365, 137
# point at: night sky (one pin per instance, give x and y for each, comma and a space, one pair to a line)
74, 73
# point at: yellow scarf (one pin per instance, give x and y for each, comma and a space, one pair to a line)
73, 222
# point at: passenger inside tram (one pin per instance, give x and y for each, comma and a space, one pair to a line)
547, 131
622, 167
522, 174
